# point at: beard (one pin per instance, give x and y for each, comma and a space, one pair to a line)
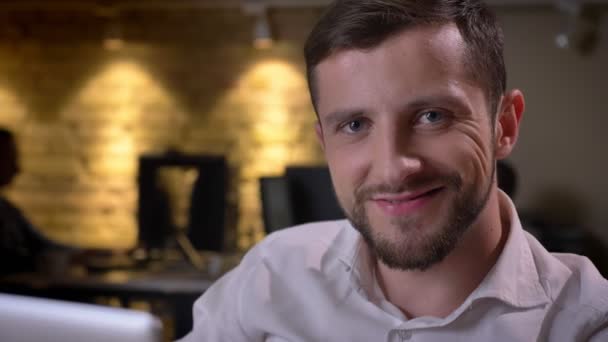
414, 247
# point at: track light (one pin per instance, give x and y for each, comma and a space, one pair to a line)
262, 31
113, 39
262, 34
112, 36
581, 31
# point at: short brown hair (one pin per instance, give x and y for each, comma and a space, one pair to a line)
365, 24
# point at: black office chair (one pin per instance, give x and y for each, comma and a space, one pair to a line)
312, 194
276, 203
301, 195
208, 205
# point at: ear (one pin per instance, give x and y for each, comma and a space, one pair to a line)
507, 123
319, 131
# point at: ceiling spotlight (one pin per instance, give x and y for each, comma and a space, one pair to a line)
112, 35
262, 34
581, 31
113, 39
562, 41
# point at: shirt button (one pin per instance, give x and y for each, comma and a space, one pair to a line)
404, 335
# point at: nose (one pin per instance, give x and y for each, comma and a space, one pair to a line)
396, 159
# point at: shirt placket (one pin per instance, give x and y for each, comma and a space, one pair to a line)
400, 335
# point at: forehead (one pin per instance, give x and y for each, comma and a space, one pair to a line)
413, 60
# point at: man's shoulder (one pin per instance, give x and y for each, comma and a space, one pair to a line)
565, 270
588, 287
578, 296
573, 284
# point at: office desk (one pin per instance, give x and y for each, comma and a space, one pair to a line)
176, 287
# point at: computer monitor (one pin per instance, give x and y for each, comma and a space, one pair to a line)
207, 212
28, 319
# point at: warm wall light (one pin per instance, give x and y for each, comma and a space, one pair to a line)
13, 110
270, 114
122, 111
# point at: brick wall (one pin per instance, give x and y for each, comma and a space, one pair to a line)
187, 80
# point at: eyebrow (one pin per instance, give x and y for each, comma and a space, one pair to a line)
437, 100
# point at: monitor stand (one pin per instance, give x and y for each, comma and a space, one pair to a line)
189, 251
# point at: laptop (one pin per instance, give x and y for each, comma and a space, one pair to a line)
28, 319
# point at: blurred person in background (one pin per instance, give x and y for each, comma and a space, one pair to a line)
22, 246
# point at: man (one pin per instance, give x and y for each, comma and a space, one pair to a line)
21, 244
413, 115
16, 242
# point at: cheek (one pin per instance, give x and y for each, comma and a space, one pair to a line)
465, 153
479, 151
348, 169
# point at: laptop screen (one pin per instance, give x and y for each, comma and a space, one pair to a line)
35, 319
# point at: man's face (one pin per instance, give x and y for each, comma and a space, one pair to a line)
409, 143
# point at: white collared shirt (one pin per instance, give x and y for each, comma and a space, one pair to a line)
313, 283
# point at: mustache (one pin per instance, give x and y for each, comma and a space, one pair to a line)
451, 180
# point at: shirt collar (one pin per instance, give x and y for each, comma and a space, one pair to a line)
514, 279
352, 251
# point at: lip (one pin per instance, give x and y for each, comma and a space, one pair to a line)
404, 196
405, 203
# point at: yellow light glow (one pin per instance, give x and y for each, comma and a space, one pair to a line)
115, 125
267, 104
13, 111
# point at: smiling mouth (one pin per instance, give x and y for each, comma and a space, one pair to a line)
406, 198
398, 205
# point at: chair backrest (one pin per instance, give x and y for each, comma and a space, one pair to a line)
208, 205
276, 203
312, 194
303, 194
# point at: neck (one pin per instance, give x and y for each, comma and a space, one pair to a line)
443, 287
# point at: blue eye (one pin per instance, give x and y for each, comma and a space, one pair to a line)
431, 117
354, 126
